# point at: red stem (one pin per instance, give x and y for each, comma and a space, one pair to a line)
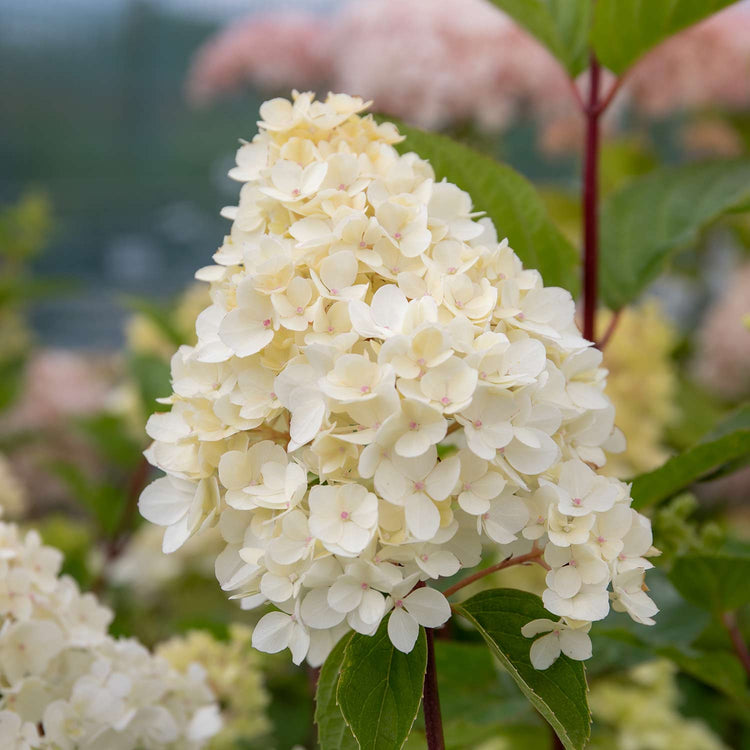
738, 642
433, 721
534, 556
591, 202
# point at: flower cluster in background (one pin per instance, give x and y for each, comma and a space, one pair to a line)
639, 711
480, 65
642, 384
377, 387
65, 683
233, 671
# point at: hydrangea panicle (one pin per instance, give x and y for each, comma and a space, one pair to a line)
362, 318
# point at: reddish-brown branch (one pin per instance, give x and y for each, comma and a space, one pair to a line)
534, 556
729, 620
118, 539
610, 95
591, 202
433, 720
604, 340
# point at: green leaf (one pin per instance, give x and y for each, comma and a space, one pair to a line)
728, 443
380, 689
719, 669
718, 583
559, 692
333, 733
509, 200
624, 29
562, 26
151, 374
109, 435
653, 216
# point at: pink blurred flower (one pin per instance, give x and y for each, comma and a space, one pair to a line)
431, 62
706, 65
441, 62
274, 51
723, 359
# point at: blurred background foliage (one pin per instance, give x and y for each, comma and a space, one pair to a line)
110, 193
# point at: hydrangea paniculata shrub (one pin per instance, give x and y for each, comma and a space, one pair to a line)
379, 388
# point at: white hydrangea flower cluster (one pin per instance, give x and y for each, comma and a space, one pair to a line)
65, 684
362, 320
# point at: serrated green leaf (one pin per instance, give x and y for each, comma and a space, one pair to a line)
333, 733
717, 583
559, 692
623, 30
509, 199
727, 444
562, 26
653, 216
380, 689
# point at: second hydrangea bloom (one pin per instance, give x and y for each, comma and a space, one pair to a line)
362, 320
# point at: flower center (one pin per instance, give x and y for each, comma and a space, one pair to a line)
399, 603
397, 235
344, 515
266, 323
363, 244
295, 191
365, 388
520, 316
413, 426
364, 586
577, 501
445, 401
419, 486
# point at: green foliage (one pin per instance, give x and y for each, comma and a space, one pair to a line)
380, 689
624, 29
718, 583
508, 199
160, 316
152, 376
25, 227
104, 501
651, 217
333, 732
719, 669
727, 445
109, 434
559, 692
560, 25
677, 532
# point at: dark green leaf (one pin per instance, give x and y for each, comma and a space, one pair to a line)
562, 26
653, 216
380, 689
719, 669
714, 582
333, 733
559, 692
729, 442
508, 199
624, 29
